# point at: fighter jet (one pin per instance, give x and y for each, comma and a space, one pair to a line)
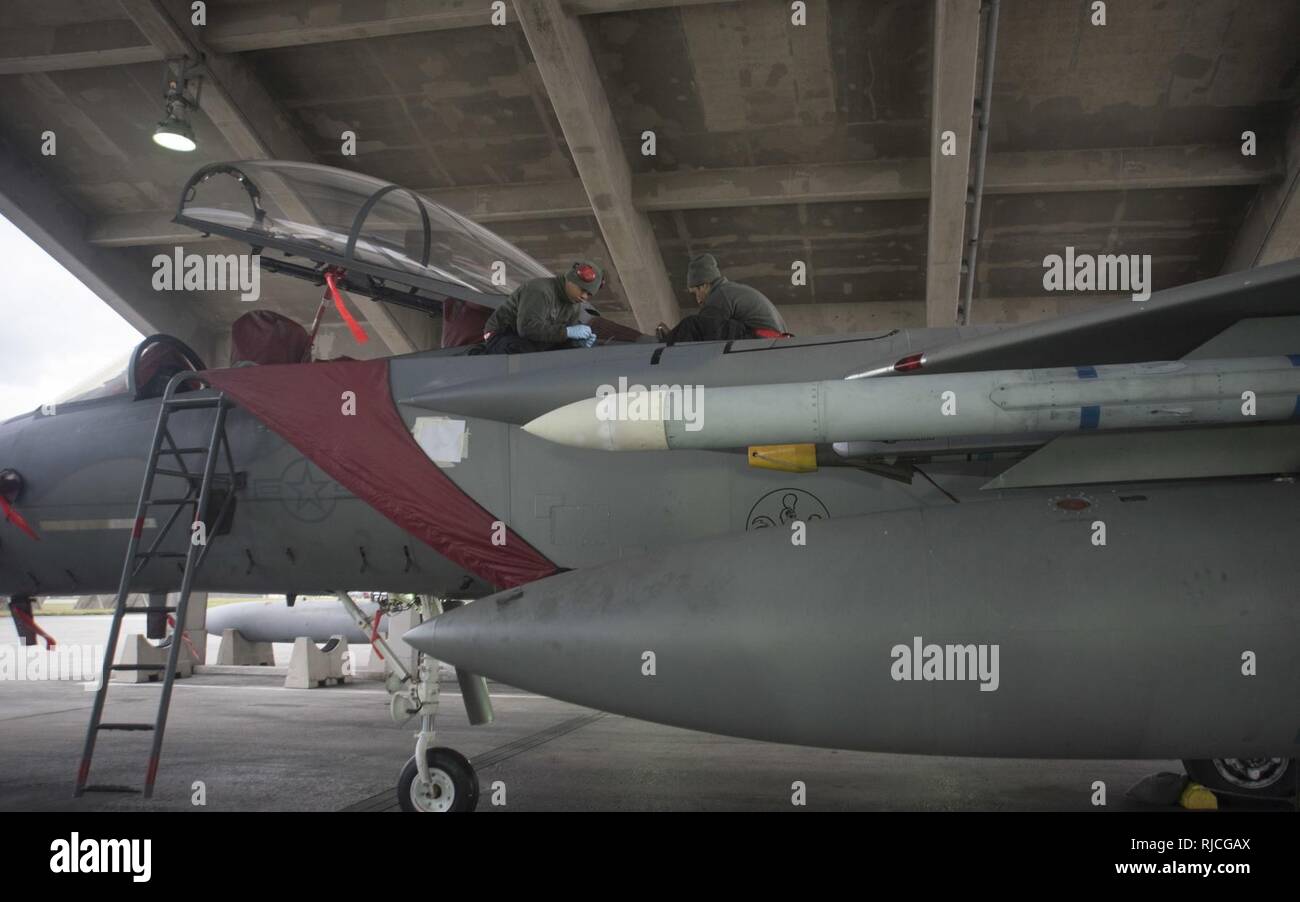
1066, 539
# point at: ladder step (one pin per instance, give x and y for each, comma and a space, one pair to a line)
172, 501
184, 403
110, 788
179, 474
138, 667
141, 727
175, 554
184, 451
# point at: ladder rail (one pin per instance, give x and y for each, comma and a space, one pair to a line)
193, 555
119, 606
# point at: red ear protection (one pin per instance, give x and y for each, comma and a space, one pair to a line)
585, 273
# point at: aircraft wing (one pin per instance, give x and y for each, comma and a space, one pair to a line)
1169, 325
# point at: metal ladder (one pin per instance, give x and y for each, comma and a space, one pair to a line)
200, 486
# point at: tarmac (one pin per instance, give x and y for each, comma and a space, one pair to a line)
256, 746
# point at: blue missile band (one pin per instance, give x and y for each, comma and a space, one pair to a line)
1294, 358
1090, 415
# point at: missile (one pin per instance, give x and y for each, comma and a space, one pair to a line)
996, 628
903, 408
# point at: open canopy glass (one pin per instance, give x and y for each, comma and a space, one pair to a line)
391, 243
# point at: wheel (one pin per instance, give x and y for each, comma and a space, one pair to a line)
1261, 778
454, 784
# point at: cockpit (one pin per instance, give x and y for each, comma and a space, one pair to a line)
367, 237
152, 364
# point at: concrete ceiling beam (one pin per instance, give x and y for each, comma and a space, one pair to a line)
567, 69
1271, 230
77, 45
31, 201
952, 106
1118, 169
264, 26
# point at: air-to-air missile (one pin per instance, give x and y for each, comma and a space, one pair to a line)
897, 408
1000, 629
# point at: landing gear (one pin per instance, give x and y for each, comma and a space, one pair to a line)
452, 784
435, 779
1254, 778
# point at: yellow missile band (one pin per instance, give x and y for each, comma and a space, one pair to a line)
786, 458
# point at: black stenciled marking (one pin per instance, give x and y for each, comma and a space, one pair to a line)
782, 507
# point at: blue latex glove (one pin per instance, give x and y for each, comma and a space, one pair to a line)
581, 333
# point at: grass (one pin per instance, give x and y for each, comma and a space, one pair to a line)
63, 607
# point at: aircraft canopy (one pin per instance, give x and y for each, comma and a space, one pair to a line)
393, 244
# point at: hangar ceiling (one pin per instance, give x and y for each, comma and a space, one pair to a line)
775, 142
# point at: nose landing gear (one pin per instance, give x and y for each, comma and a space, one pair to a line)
435, 779
451, 784
1253, 778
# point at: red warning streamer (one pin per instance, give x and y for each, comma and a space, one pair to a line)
31, 624
332, 280
16, 518
374, 633
185, 636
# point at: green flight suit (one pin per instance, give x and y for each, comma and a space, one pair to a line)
538, 310
745, 305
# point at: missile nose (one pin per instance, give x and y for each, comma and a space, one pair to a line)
595, 423
573, 424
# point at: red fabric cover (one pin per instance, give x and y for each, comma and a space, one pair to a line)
462, 323
772, 333
263, 336
374, 456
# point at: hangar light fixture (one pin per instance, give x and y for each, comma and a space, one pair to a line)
180, 95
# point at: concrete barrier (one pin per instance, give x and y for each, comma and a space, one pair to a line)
312, 666
238, 651
136, 649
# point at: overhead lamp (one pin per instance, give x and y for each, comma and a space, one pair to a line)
181, 94
175, 133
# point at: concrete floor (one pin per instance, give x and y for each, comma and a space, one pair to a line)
258, 746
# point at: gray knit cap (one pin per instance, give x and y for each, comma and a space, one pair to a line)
702, 270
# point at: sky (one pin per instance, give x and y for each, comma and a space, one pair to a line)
54, 331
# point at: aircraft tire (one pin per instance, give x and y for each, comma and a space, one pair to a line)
455, 784
1255, 778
